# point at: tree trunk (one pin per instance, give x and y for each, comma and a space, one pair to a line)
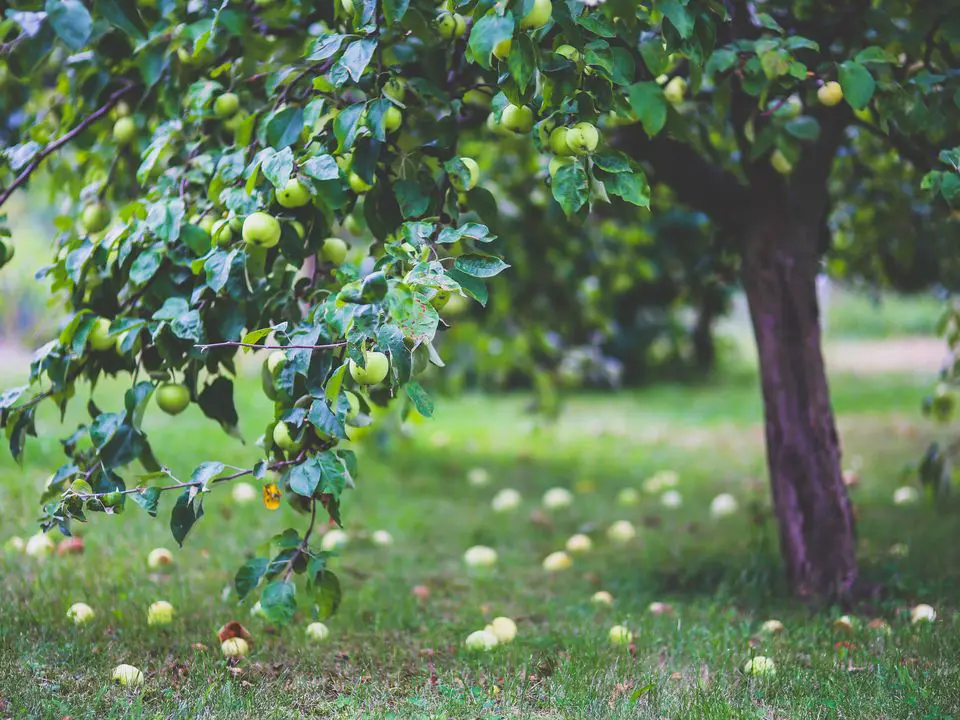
817, 539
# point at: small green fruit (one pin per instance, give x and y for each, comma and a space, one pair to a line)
358, 184
517, 118
675, 90
539, 15
293, 195
222, 233
375, 371
501, 50
124, 130
94, 218
395, 88
261, 230
780, 163
558, 142
830, 94
354, 403
583, 138
99, 337
569, 52
226, 105
392, 119
334, 250
282, 438
276, 360
471, 182
173, 398
450, 25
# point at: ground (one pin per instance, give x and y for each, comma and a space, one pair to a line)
392, 654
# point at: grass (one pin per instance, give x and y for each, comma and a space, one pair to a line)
392, 655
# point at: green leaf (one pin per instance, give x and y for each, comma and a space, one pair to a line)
612, 161
394, 10
421, 400
279, 602
248, 576
122, 14
857, 83
873, 54
185, 514
278, 167
303, 479
321, 167
631, 187
71, 21
803, 127
522, 61
326, 593
145, 266
678, 16
480, 266
216, 402
355, 59
390, 339
205, 472
649, 105
285, 127
571, 188
468, 231
149, 500
411, 198
486, 33
324, 419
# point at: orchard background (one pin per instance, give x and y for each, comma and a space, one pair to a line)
416, 347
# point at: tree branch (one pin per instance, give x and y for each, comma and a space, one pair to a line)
63, 140
254, 346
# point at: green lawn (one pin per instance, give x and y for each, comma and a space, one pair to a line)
392, 655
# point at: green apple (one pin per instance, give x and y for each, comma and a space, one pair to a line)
283, 439
675, 90
222, 233
583, 138
358, 184
760, 666
122, 109
458, 183
569, 52
557, 162
478, 97
791, 108
124, 130
830, 93
780, 163
206, 224
127, 675
375, 371
354, 405
392, 119
395, 88
226, 105
353, 225
160, 613
347, 6
261, 230
80, 613
558, 141
276, 360
450, 25
619, 635
293, 195
94, 218
480, 641
517, 118
317, 632
334, 250
158, 558
539, 15
99, 337
501, 50
173, 398
236, 647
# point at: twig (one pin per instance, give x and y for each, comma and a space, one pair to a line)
232, 343
302, 547
63, 140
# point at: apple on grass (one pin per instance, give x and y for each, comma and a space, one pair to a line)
334, 539
723, 505
159, 613
619, 635
375, 371
557, 562
579, 543
481, 641
922, 613
80, 613
503, 628
621, 532
506, 500
382, 538
557, 498
159, 558
243, 493
14, 544
772, 627
601, 597
127, 675
478, 477
480, 556
760, 666
235, 647
317, 632
39, 546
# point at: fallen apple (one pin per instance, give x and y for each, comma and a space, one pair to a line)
579, 543
506, 500
619, 635
80, 613
621, 531
317, 632
158, 558
557, 562
601, 597
160, 613
127, 675
557, 498
481, 641
480, 556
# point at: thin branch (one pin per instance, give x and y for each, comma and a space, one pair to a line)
254, 346
303, 547
63, 140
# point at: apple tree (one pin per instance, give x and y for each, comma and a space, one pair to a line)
207, 160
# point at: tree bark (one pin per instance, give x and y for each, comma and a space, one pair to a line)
817, 535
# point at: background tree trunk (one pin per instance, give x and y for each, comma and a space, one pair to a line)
817, 538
